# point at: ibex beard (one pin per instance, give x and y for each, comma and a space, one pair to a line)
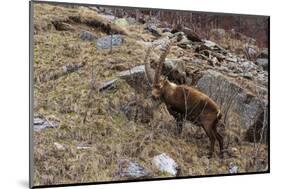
186, 103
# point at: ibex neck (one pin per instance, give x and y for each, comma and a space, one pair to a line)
169, 90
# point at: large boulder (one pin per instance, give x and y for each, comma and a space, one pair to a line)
237, 103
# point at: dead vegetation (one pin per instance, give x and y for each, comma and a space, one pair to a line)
98, 128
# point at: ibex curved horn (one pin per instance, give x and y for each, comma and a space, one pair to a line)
160, 64
149, 72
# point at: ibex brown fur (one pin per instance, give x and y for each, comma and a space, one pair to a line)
186, 103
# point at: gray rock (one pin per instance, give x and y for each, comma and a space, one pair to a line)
138, 70
262, 62
263, 53
82, 147
38, 121
131, 20
224, 91
166, 30
87, 36
131, 170
153, 29
247, 75
108, 41
108, 85
40, 124
233, 169
215, 47
248, 66
174, 70
136, 78
166, 164
184, 43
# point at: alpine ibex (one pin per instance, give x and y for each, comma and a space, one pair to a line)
185, 103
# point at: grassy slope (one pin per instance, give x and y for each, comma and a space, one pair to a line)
107, 131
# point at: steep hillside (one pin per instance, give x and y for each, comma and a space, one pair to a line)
92, 125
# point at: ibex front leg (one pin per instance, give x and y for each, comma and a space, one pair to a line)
178, 118
179, 126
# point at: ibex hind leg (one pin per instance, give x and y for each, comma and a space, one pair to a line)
212, 138
218, 136
220, 139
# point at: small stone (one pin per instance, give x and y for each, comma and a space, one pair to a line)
131, 170
108, 85
166, 164
247, 75
133, 71
233, 169
82, 147
153, 29
87, 36
108, 41
38, 121
40, 124
262, 62
166, 30
59, 146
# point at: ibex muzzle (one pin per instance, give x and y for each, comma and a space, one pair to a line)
185, 103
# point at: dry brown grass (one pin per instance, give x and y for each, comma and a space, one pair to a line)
107, 132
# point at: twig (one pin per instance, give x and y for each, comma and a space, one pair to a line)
92, 86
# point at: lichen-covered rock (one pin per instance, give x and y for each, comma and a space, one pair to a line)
121, 22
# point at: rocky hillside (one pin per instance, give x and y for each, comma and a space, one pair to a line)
93, 119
